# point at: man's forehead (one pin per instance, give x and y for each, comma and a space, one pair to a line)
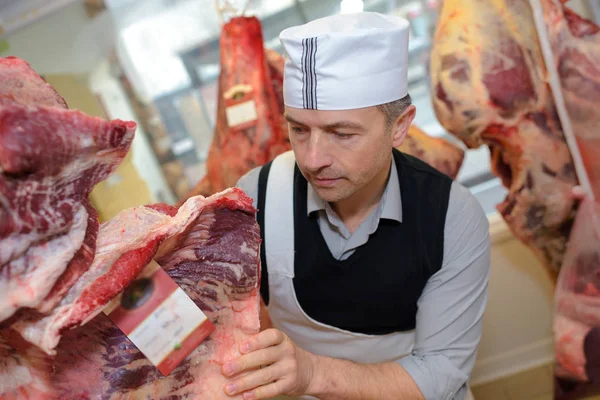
329, 117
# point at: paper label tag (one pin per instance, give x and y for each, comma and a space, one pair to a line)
159, 318
240, 107
241, 114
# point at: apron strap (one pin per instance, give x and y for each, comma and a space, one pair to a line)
275, 216
263, 177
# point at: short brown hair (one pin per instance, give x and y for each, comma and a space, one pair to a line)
394, 109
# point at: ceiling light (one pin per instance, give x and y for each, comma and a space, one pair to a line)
351, 6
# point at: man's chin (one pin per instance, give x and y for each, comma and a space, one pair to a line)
330, 195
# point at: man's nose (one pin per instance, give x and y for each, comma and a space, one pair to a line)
317, 153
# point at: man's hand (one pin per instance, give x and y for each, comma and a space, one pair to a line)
270, 365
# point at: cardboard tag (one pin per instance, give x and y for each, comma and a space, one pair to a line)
159, 318
240, 107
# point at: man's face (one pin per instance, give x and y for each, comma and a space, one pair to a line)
340, 152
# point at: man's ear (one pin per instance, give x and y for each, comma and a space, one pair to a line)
402, 124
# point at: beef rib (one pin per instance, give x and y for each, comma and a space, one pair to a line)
209, 246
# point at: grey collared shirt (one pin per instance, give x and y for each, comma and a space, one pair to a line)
341, 242
451, 306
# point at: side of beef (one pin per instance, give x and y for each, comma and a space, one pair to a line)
210, 247
489, 87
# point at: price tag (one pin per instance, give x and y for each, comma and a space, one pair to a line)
240, 107
159, 318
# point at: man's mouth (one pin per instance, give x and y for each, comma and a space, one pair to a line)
325, 181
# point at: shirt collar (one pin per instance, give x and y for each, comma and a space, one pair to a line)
391, 199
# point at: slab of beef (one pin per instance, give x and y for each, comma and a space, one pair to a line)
276, 65
489, 84
575, 42
209, 246
50, 160
577, 299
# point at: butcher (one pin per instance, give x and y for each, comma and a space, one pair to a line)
375, 266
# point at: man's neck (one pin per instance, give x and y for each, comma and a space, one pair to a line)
355, 209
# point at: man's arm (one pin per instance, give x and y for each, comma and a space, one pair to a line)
336, 379
451, 307
271, 365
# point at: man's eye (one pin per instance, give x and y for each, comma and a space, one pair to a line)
342, 135
296, 129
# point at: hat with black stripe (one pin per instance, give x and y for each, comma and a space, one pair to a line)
346, 61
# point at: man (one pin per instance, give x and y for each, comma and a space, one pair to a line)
375, 265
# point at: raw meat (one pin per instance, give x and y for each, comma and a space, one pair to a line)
256, 132
489, 84
276, 65
20, 84
210, 247
50, 160
442, 155
577, 299
575, 42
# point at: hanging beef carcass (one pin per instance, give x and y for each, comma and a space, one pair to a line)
250, 129
489, 84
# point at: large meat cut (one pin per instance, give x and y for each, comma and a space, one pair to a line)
59, 269
50, 160
250, 129
489, 83
209, 246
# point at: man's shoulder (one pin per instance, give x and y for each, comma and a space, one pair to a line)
249, 183
463, 204
467, 225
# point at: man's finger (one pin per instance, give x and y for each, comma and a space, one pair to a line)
253, 360
268, 338
254, 380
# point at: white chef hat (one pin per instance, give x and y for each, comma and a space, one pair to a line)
346, 61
